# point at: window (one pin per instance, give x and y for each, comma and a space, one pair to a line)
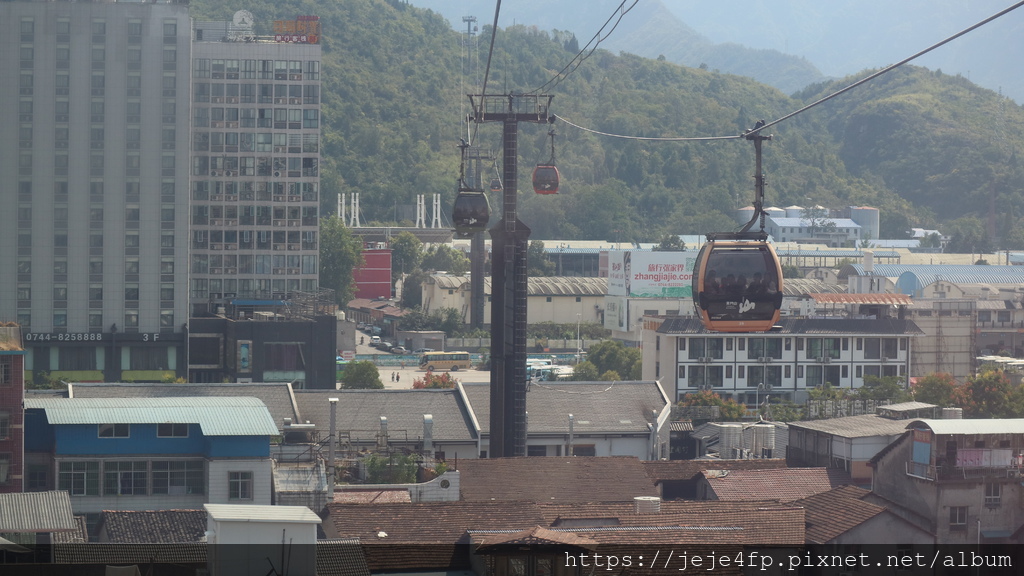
170, 430
5, 467
240, 485
145, 358
584, 450
958, 518
79, 478
38, 477
178, 477
536, 450
77, 358
113, 430
124, 478
993, 494
5, 426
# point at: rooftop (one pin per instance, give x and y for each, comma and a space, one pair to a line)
554, 479
36, 512
970, 426
782, 484
153, 526
261, 513
216, 416
861, 426
851, 326
832, 513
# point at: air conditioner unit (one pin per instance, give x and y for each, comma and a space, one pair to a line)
277, 173
705, 359
764, 359
824, 360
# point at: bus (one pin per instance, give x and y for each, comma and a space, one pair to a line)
453, 361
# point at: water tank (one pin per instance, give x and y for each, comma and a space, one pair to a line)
730, 440
775, 212
762, 437
867, 217
952, 413
794, 211
646, 504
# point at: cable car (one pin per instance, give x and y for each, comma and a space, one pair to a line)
737, 285
545, 176
496, 185
471, 212
545, 179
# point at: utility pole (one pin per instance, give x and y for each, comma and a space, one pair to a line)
509, 242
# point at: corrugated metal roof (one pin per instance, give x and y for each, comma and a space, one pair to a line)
852, 326
803, 222
957, 273
801, 286
261, 513
834, 252
537, 286
216, 416
844, 298
971, 426
36, 512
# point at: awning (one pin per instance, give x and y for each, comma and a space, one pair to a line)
995, 533
877, 299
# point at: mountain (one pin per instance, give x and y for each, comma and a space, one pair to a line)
927, 148
790, 43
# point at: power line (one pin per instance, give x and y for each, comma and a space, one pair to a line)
868, 78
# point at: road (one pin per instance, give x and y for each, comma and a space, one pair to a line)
411, 371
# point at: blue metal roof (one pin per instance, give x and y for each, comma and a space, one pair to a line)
216, 416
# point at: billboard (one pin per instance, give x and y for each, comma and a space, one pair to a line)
647, 274
616, 313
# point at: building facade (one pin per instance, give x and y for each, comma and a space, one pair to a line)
255, 165
12, 416
151, 453
800, 355
98, 214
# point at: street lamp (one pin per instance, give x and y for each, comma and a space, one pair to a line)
579, 343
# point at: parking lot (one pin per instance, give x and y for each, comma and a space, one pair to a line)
389, 364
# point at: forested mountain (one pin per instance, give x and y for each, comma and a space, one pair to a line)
923, 147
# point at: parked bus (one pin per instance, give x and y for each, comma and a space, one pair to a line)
453, 361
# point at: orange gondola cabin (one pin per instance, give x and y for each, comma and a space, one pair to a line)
737, 286
545, 179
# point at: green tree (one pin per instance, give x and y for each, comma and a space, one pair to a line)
445, 258
361, 375
783, 411
390, 469
340, 254
612, 355
991, 394
827, 392
537, 261
406, 253
610, 376
882, 388
937, 388
818, 220
412, 289
791, 271
585, 372
670, 243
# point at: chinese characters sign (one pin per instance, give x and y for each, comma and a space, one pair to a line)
302, 30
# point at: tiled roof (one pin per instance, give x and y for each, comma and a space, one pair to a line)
276, 396
36, 512
359, 411
343, 496
662, 470
153, 526
859, 426
852, 326
783, 484
554, 479
830, 514
682, 522
536, 536
141, 554
216, 416
340, 557
80, 535
597, 407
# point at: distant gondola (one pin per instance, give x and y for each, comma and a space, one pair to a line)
471, 212
545, 179
496, 185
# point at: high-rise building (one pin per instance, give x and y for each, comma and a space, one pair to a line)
255, 161
94, 153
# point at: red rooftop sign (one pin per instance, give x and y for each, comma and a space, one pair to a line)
302, 30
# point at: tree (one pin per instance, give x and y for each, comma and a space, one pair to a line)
412, 288
612, 355
817, 219
431, 380
670, 243
991, 394
406, 253
728, 409
882, 388
791, 271
937, 388
585, 372
390, 469
340, 254
537, 262
361, 375
446, 258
